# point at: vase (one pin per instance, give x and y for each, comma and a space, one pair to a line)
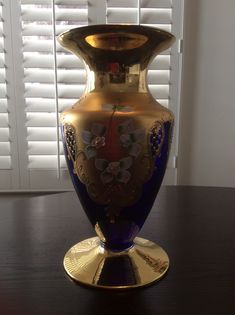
116, 143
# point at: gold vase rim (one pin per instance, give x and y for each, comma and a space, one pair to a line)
116, 41
128, 36
114, 27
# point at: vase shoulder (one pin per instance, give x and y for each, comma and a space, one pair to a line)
132, 105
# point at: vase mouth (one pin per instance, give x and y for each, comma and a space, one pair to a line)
117, 37
116, 41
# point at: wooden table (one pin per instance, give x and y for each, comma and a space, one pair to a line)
195, 225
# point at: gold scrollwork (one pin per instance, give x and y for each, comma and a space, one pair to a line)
71, 141
156, 138
81, 169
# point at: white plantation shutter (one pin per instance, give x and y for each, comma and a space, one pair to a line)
39, 76
48, 92
36, 83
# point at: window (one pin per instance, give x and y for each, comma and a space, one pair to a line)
38, 79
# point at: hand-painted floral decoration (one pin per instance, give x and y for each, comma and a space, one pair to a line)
114, 170
94, 139
131, 138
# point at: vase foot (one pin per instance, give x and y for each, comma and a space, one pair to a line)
91, 264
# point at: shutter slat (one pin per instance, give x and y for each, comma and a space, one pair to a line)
3, 120
44, 14
156, 4
47, 76
122, 15
58, 2
158, 76
41, 134
1, 45
44, 30
44, 148
47, 90
2, 90
150, 16
163, 102
122, 3
46, 45
5, 149
2, 76
160, 63
45, 162
159, 91
41, 120
130, 15
47, 104
3, 105
38, 46
4, 134
2, 63
5, 162
144, 3
46, 61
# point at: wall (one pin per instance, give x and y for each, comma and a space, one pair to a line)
207, 131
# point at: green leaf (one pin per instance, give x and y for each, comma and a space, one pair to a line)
108, 107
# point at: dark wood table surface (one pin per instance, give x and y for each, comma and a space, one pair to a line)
195, 225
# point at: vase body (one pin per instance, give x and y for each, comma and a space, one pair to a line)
116, 137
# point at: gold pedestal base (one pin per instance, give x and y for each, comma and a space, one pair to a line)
89, 263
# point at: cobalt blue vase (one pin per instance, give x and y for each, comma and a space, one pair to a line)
116, 142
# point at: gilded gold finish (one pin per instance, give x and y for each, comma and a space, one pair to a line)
116, 58
113, 41
117, 141
90, 263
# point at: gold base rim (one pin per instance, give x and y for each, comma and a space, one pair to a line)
89, 263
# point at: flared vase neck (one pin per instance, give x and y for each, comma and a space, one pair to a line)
116, 77
116, 56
